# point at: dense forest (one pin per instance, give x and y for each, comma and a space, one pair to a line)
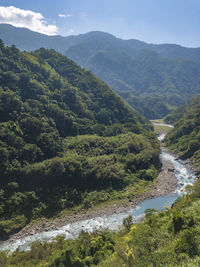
150, 82
166, 238
175, 115
154, 79
184, 139
67, 141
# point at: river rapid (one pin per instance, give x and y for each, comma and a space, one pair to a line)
113, 222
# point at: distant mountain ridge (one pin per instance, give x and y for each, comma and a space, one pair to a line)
20, 37
152, 78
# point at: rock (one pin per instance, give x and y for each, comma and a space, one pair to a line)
171, 170
32, 232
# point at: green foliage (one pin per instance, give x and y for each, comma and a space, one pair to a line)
12, 225
88, 165
89, 250
175, 115
152, 78
166, 238
67, 141
184, 138
45, 97
127, 222
178, 222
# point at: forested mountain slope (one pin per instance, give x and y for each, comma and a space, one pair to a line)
26, 39
184, 139
165, 238
152, 78
66, 139
175, 114
150, 82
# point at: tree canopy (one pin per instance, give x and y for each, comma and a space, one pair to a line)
66, 139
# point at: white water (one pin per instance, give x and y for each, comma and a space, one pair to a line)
161, 137
113, 222
163, 124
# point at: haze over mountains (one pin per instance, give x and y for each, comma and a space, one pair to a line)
152, 78
26, 39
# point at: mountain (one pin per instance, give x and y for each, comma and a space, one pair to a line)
163, 238
67, 141
175, 115
152, 78
184, 139
150, 82
26, 39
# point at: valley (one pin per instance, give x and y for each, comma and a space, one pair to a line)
169, 185
164, 184
153, 79
99, 147
66, 129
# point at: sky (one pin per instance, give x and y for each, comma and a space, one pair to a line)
152, 21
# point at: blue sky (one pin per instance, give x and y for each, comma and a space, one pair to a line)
152, 21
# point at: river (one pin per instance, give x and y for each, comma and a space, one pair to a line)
113, 222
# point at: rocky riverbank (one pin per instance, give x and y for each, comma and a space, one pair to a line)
165, 183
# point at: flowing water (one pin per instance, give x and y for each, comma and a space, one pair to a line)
113, 222
163, 124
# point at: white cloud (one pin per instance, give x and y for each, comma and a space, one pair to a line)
64, 15
26, 18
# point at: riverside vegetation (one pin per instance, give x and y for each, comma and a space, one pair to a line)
168, 238
67, 141
165, 238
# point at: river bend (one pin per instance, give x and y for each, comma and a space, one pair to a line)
184, 177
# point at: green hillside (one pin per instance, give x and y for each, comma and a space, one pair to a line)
151, 83
175, 115
154, 79
166, 238
184, 139
67, 141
